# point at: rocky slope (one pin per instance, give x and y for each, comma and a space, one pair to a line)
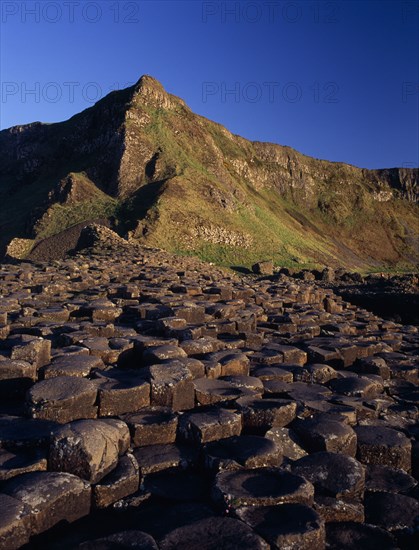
170, 178
154, 401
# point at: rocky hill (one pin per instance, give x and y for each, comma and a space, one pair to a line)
166, 177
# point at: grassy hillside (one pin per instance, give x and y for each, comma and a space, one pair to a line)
178, 181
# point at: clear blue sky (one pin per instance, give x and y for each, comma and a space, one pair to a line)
334, 79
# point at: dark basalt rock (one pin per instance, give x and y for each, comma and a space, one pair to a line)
200, 346
323, 433
286, 526
202, 426
259, 415
13, 464
177, 486
176, 514
265, 267
124, 540
212, 533
315, 373
167, 392
272, 374
122, 391
156, 458
22, 433
373, 365
131, 503
15, 522
121, 482
16, 377
89, 449
306, 393
208, 392
63, 399
288, 443
260, 487
249, 451
333, 510
332, 474
384, 446
152, 426
171, 386
31, 349
251, 383
384, 478
72, 365
51, 497
162, 353
357, 387
233, 363
348, 536
393, 512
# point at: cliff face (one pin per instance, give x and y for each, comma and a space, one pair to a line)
402, 182
174, 179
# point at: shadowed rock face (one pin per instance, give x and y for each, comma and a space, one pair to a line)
286, 526
142, 159
208, 410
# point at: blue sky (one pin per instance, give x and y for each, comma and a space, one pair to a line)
334, 79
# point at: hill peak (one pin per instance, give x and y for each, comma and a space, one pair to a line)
147, 81
149, 90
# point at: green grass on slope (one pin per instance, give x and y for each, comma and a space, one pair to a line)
346, 226
274, 233
178, 152
92, 203
60, 217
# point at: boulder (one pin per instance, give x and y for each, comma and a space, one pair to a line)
225, 533
260, 487
15, 522
249, 451
62, 399
121, 482
332, 474
323, 433
171, 386
51, 497
13, 464
288, 443
152, 426
260, 415
384, 446
121, 391
265, 267
350, 535
286, 526
16, 377
89, 449
211, 424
